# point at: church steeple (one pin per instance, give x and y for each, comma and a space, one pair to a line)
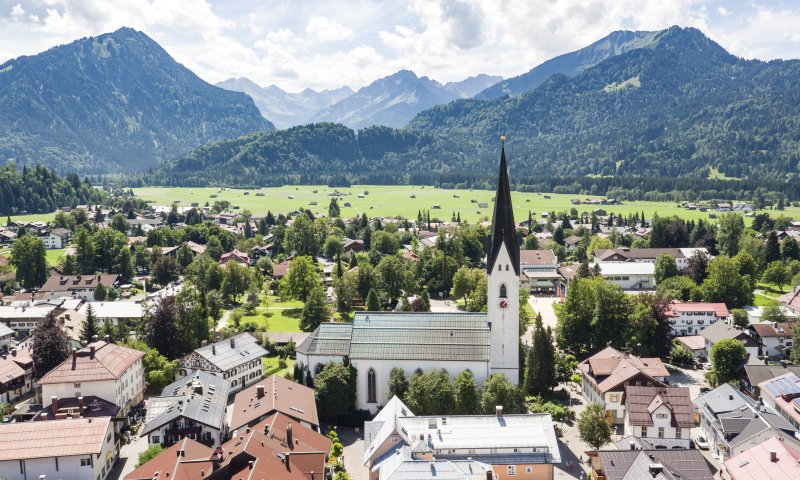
504, 230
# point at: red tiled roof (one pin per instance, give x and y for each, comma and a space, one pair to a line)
641, 402
108, 362
614, 368
756, 462
719, 309
537, 257
59, 438
279, 395
693, 342
791, 299
281, 269
767, 329
195, 460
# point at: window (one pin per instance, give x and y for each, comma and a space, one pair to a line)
660, 432
644, 431
371, 395
678, 432
613, 398
503, 292
86, 462
529, 469
512, 470
154, 439
77, 385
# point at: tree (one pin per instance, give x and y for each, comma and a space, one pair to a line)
161, 329
152, 452
680, 355
385, 242
431, 393
119, 223
107, 244
158, 370
334, 391
479, 296
573, 330
467, 394
300, 280
185, 256
315, 310
730, 227
726, 356
215, 304
235, 280
794, 356
777, 273
680, 288
165, 270
100, 292
333, 208
301, 237
28, 256
531, 242
773, 313
214, 248
790, 249
666, 267
89, 328
424, 302
565, 366
464, 282
772, 248
333, 246
373, 301
740, 318
747, 266
398, 383
50, 346
592, 426
205, 273
123, 264
724, 284
540, 371
497, 390
696, 267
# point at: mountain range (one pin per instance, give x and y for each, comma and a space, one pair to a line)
390, 101
677, 106
283, 108
115, 102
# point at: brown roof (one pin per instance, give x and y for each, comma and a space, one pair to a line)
768, 329
281, 269
614, 368
168, 464
632, 253
537, 257
635, 464
277, 395
109, 361
63, 283
10, 369
791, 299
59, 438
641, 402
693, 342
235, 255
756, 462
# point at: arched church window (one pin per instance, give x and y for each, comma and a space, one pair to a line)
371, 394
503, 293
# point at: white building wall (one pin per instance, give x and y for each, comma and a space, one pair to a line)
632, 282
383, 368
124, 392
312, 361
662, 419
68, 467
692, 323
504, 323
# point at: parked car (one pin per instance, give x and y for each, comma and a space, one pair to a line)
705, 389
707, 366
701, 442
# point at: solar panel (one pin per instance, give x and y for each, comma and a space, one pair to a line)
787, 386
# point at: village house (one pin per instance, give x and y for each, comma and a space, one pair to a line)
657, 464
81, 449
236, 359
16, 374
694, 344
647, 255
120, 312
770, 460
539, 272
56, 238
516, 446
605, 375
24, 318
71, 408
6, 337
791, 300
722, 331
274, 394
76, 286
751, 376
663, 416
775, 338
781, 394
191, 407
629, 275
350, 245
731, 423
107, 370
687, 318
235, 256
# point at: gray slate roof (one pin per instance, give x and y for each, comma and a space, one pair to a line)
179, 399
328, 339
420, 336
635, 464
225, 357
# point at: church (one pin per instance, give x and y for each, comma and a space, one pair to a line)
484, 343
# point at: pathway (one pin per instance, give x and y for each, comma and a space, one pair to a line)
544, 306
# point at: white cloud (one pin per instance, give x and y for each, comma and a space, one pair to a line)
724, 11
327, 30
17, 11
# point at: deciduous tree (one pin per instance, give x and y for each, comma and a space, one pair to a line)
50, 346
28, 256
592, 426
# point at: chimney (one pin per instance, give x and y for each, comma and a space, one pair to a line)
250, 466
489, 475
91, 351
655, 468
13, 352
94, 338
498, 410
233, 342
260, 391
286, 460
74, 353
289, 435
633, 445
773, 456
80, 405
213, 349
198, 388
266, 429
179, 453
54, 405
108, 338
730, 396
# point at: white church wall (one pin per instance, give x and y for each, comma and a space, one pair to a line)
383, 368
505, 322
313, 360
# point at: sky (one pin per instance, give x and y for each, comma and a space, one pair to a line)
321, 44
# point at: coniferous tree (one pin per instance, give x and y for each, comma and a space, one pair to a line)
540, 373
162, 330
467, 394
90, 328
398, 383
373, 301
772, 248
50, 346
315, 311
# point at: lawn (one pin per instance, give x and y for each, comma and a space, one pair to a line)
772, 290
403, 200
762, 300
271, 366
280, 316
53, 257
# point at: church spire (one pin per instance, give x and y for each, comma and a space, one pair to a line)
504, 230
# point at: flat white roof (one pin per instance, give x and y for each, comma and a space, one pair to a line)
627, 268
122, 309
11, 313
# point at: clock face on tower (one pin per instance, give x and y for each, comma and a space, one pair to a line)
502, 303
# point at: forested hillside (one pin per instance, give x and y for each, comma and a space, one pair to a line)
679, 109
113, 102
40, 190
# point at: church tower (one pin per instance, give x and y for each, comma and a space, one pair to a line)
502, 266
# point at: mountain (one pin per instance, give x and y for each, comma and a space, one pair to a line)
394, 100
286, 109
115, 102
571, 64
654, 119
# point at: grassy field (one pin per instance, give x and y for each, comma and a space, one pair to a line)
398, 201
271, 366
53, 257
280, 316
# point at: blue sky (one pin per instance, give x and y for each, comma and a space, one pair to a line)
327, 44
